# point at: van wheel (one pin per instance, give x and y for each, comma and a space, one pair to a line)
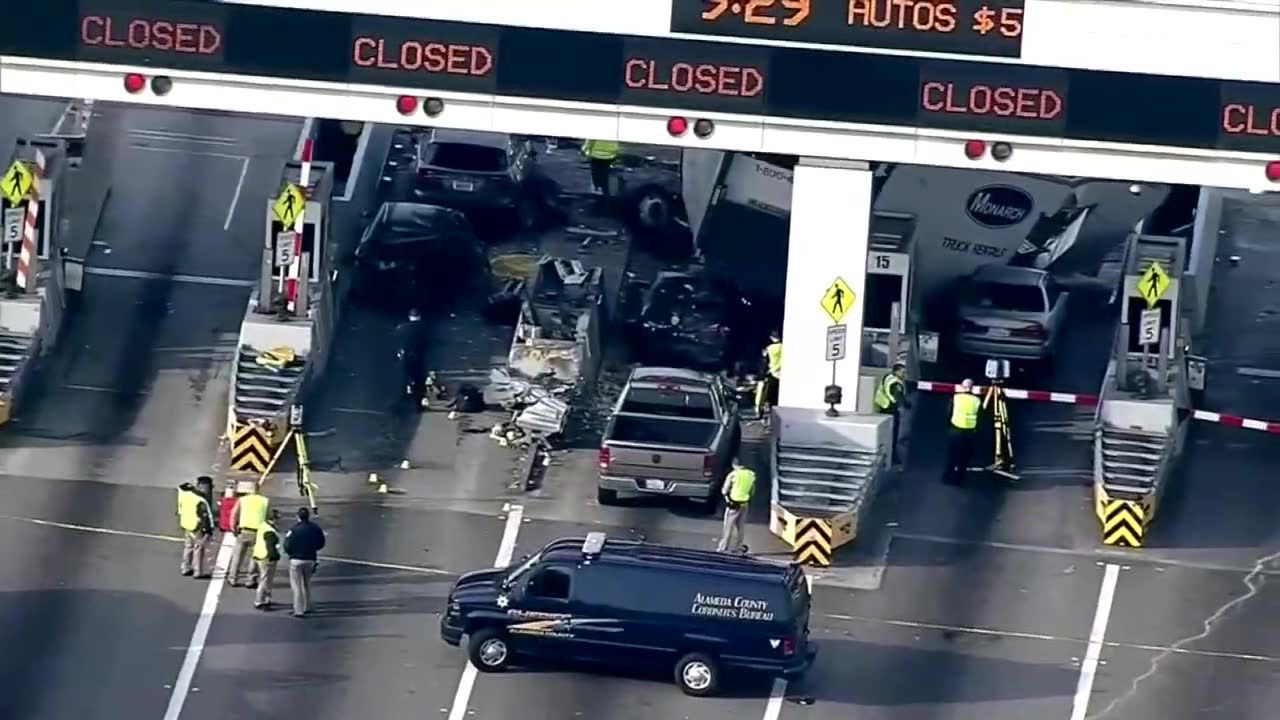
489, 650
697, 675
606, 497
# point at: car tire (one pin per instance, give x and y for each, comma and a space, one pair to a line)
652, 210
489, 650
697, 675
606, 497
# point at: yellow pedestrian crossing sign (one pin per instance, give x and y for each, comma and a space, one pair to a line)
18, 182
838, 300
289, 206
1153, 284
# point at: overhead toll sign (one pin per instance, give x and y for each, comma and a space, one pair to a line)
972, 27
1153, 284
716, 76
838, 300
18, 182
290, 205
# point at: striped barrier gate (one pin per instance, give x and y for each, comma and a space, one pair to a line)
252, 447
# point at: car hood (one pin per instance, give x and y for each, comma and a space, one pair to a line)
479, 584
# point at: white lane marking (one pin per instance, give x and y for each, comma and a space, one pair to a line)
185, 151
1097, 638
235, 198
181, 137
773, 709
506, 548
1258, 372
358, 411
185, 279
189, 663
362, 146
420, 569
1017, 635
303, 134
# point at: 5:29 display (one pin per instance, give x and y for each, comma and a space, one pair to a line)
754, 11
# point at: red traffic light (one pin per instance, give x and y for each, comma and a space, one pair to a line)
677, 126
1273, 171
975, 149
406, 104
134, 83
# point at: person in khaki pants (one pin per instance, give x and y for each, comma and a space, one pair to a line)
266, 553
303, 543
249, 514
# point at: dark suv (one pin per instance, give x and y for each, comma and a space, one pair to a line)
415, 255
478, 172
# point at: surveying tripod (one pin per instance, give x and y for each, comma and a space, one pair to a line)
1002, 463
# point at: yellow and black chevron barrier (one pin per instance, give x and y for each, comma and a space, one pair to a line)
251, 448
1124, 522
812, 544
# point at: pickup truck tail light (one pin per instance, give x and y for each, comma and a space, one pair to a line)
788, 646
708, 466
1034, 330
604, 457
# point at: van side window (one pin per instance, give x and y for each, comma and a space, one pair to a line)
550, 583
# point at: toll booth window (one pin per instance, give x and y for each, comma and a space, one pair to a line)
1004, 296
882, 292
672, 402
550, 583
466, 158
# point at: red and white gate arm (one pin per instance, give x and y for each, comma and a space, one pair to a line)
295, 265
1236, 421
1013, 394
28, 251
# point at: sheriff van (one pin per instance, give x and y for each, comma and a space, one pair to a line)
624, 602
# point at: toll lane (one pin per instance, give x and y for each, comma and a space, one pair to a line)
25, 117
108, 615
372, 642
1223, 504
1189, 639
953, 631
140, 376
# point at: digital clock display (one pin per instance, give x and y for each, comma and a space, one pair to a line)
972, 27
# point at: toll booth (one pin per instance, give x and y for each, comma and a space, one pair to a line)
886, 298
276, 343
1139, 428
1151, 296
278, 246
23, 179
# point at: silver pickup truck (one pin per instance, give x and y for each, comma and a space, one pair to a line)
672, 432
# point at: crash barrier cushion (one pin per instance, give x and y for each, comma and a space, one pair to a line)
813, 540
1124, 523
252, 447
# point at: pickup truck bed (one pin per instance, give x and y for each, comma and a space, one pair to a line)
684, 435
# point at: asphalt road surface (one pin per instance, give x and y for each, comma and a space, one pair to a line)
22, 117
973, 603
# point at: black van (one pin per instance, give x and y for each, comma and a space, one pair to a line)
628, 602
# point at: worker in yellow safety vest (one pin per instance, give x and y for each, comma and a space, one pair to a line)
739, 487
266, 553
889, 398
965, 406
196, 521
767, 388
249, 514
601, 154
